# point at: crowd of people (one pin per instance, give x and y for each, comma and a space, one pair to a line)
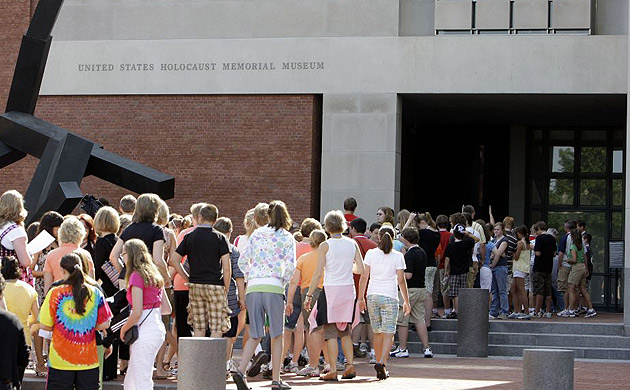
113, 291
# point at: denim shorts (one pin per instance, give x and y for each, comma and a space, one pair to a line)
383, 313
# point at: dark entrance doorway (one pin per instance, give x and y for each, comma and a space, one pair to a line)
509, 151
445, 166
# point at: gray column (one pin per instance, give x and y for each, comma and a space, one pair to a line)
626, 281
361, 137
548, 369
472, 322
201, 363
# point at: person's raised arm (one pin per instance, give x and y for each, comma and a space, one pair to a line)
492, 222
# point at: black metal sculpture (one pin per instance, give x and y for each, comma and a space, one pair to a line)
65, 158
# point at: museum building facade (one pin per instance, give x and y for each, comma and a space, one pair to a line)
417, 104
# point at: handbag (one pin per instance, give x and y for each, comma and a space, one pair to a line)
112, 273
133, 333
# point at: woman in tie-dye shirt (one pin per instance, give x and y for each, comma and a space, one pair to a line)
73, 311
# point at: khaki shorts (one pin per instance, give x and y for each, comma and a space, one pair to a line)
444, 287
417, 297
577, 276
563, 278
332, 332
208, 307
429, 279
472, 274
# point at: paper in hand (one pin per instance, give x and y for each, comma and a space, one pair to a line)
40, 242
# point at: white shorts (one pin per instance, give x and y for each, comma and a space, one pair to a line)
485, 278
519, 274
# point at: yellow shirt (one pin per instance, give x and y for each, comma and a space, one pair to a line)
307, 264
20, 297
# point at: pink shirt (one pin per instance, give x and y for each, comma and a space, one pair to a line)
151, 295
178, 282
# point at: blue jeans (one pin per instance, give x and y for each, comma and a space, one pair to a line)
559, 299
500, 302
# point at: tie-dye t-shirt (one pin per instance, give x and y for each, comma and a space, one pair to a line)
73, 345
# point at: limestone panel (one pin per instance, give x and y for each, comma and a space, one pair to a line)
531, 14
344, 103
493, 15
453, 14
368, 202
364, 132
571, 14
417, 17
359, 171
84, 22
378, 103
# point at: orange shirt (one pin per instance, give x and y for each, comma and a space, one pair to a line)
307, 264
178, 283
53, 260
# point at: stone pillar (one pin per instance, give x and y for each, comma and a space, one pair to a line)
201, 362
626, 279
548, 369
361, 139
472, 323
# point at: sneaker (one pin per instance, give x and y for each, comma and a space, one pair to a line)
267, 373
582, 310
428, 353
309, 371
280, 385
590, 313
372, 358
241, 382
564, 313
287, 360
325, 369
291, 367
532, 311
260, 359
402, 353
547, 315
356, 350
523, 316
364, 349
340, 366
513, 316
302, 360
491, 317
572, 314
393, 352
502, 316
452, 315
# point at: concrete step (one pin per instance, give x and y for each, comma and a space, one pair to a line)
517, 350
533, 339
539, 326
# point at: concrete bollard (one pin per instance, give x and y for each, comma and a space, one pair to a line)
201, 363
472, 323
548, 369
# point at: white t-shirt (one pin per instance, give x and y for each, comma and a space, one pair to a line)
339, 262
7, 240
383, 275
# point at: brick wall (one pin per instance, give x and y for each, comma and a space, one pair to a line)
233, 151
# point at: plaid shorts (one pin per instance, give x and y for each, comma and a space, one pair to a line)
383, 313
207, 308
456, 282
